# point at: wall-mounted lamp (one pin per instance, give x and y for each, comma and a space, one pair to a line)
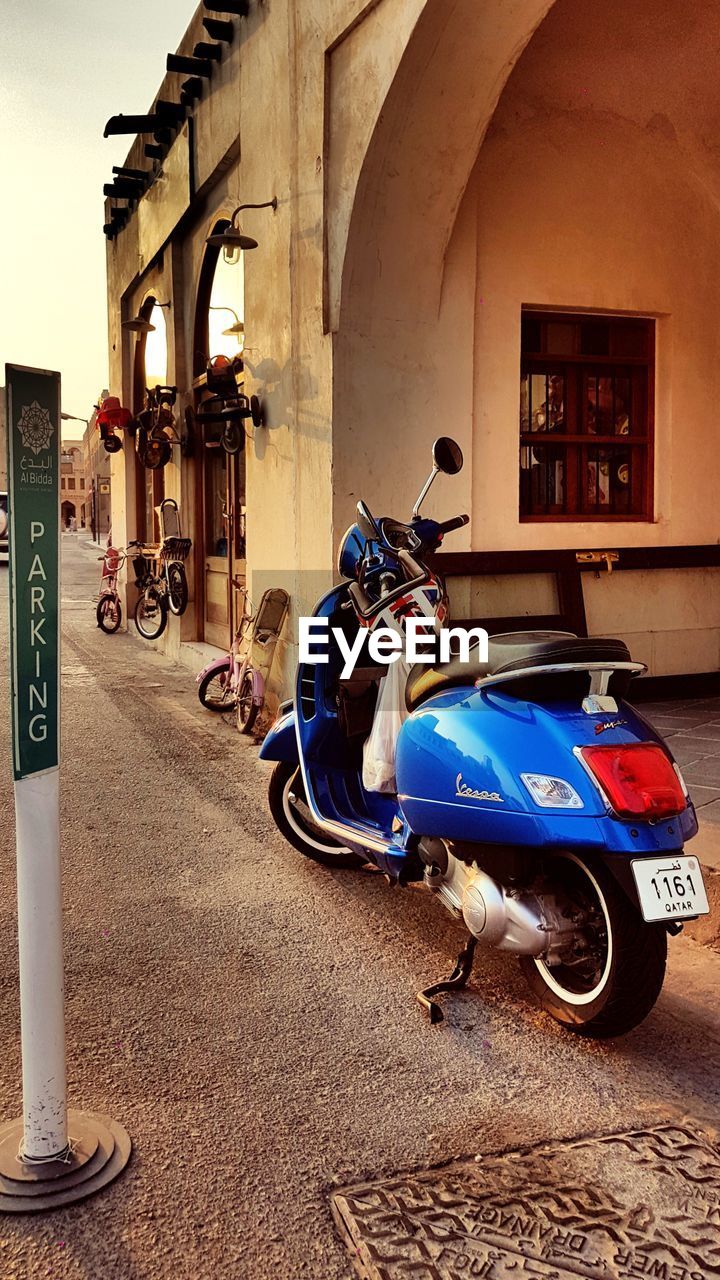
233, 240
235, 329
140, 323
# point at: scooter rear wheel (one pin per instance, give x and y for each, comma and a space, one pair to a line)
289, 808
616, 986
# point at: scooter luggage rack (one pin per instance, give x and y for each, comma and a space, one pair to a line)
599, 672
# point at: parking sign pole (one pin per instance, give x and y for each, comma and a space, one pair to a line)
42, 1013
50, 1156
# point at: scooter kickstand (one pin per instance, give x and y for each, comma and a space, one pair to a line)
458, 979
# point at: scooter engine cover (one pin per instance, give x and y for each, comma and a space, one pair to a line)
460, 760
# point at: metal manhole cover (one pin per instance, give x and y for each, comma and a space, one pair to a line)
613, 1208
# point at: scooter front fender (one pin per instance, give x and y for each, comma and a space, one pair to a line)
217, 664
281, 741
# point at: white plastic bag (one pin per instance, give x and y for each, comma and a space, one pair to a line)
378, 772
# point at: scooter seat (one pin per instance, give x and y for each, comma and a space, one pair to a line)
521, 651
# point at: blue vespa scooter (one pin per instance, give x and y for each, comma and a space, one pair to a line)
532, 799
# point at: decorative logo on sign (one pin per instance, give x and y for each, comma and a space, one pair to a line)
35, 427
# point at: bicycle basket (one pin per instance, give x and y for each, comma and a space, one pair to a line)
175, 548
141, 565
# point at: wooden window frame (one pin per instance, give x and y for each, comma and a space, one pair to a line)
574, 367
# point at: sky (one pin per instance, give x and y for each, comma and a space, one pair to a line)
66, 66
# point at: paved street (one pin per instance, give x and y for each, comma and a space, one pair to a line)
692, 728
250, 1017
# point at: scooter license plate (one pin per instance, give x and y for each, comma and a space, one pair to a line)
670, 888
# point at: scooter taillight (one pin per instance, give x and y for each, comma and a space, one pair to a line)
639, 780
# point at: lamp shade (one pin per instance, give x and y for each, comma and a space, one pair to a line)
138, 324
232, 238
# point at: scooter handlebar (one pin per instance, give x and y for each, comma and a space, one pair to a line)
457, 522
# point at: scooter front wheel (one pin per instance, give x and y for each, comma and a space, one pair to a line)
612, 982
289, 808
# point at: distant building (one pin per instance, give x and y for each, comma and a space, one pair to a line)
72, 485
98, 491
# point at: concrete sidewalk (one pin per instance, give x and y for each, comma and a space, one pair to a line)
691, 728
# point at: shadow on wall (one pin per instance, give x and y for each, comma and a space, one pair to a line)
286, 393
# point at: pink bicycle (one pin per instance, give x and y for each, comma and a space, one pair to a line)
109, 610
236, 682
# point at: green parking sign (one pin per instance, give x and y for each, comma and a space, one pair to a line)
33, 432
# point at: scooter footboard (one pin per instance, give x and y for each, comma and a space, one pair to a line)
281, 741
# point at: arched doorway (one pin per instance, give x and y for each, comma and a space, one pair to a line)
409, 193
67, 514
150, 365
221, 506
541, 188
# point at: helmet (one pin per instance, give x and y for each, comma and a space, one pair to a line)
350, 553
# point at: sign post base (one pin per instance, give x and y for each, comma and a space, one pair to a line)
98, 1150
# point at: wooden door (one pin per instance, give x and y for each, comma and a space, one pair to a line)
225, 560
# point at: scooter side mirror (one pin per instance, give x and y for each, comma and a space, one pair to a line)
447, 456
367, 523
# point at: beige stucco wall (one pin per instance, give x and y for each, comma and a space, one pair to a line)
264, 130
595, 188
438, 164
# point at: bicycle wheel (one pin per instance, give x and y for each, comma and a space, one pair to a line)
151, 613
246, 709
214, 690
109, 614
177, 588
